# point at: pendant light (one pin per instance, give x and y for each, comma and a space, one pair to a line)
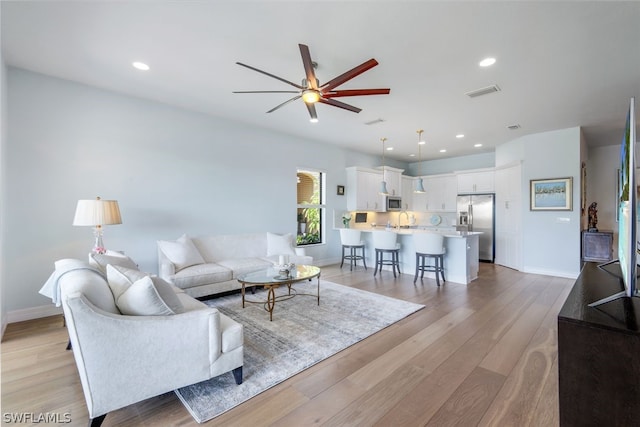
419, 184
383, 184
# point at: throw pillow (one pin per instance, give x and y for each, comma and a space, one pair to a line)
149, 296
121, 278
280, 245
182, 252
100, 261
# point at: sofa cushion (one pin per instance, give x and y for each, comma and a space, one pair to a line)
202, 274
100, 261
182, 252
280, 245
149, 296
244, 265
121, 278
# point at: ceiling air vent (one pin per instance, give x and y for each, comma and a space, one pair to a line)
513, 127
373, 122
483, 91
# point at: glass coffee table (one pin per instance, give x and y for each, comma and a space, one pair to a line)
271, 279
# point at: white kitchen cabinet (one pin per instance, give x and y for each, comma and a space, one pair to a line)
476, 182
440, 194
509, 217
408, 185
393, 177
362, 189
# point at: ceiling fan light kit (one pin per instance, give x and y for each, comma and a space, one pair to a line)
312, 92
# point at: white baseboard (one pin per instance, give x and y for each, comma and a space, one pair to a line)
555, 273
33, 313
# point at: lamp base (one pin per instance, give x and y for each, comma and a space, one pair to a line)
98, 246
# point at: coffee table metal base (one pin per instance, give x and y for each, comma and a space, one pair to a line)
270, 302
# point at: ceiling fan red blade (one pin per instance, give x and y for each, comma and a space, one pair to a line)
284, 103
340, 105
355, 92
354, 72
270, 75
308, 66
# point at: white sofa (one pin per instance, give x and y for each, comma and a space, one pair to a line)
166, 341
211, 265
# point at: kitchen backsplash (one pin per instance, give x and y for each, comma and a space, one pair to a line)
421, 219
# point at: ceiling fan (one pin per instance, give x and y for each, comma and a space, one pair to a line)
311, 91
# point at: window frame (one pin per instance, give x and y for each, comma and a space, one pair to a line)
322, 206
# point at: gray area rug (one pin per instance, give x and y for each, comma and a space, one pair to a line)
300, 335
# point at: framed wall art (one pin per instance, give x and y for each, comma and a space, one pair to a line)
553, 194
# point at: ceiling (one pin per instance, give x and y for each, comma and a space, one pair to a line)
559, 64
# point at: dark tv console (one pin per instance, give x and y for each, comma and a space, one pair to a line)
599, 353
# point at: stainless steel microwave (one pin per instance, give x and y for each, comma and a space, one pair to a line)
393, 203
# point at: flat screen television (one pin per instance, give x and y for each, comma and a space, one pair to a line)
627, 212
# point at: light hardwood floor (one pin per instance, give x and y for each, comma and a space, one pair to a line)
483, 354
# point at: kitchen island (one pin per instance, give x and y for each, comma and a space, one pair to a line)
460, 260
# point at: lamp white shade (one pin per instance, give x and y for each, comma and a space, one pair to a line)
97, 212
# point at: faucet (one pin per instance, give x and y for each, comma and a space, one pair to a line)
399, 215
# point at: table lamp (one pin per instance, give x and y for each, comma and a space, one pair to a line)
96, 213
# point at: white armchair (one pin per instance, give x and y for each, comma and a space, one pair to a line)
124, 359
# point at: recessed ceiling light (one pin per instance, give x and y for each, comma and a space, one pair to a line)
389, 148
443, 151
478, 145
412, 155
313, 120
460, 135
140, 66
487, 62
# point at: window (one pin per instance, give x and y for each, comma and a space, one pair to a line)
311, 208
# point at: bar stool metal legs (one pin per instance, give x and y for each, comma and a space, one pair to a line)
393, 262
353, 256
421, 266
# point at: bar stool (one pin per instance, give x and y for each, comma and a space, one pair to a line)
429, 245
350, 240
386, 242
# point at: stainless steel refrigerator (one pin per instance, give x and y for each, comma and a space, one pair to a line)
476, 212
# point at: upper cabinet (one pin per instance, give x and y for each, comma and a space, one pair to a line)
362, 189
476, 182
393, 178
408, 185
440, 194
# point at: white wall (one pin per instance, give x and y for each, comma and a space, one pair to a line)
451, 164
3, 204
172, 172
551, 239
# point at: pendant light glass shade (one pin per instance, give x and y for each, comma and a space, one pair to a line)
383, 184
419, 183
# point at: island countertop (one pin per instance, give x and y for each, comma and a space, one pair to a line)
461, 260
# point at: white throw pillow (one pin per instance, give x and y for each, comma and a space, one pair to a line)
149, 296
101, 261
280, 245
121, 278
182, 252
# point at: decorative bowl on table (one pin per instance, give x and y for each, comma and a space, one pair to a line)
284, 270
